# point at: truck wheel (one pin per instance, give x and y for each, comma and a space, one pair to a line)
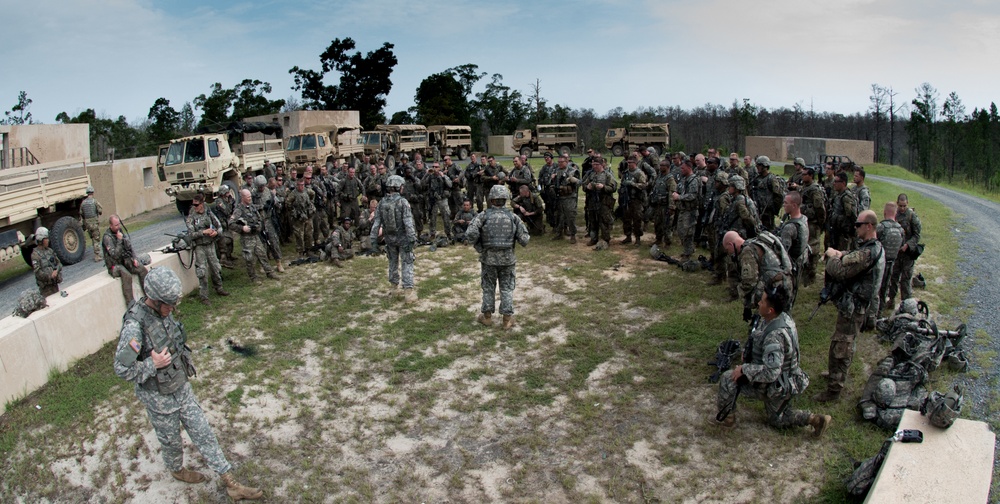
564, 150
526, 151
617, 150
183, 206
235, 189
66, 240
390, 163
463, 153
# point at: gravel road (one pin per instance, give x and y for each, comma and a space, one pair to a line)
144, 240
978, 240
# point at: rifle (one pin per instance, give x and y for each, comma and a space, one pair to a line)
831, 290
624, 198
747, 357
724, 355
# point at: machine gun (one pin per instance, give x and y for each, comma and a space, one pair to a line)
747, 357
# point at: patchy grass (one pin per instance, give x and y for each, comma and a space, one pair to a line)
598, 394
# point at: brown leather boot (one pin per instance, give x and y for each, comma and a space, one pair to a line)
205, 301
188, 476
485, 318
222, 292
281, 268
508, 321
238, 492
820, 423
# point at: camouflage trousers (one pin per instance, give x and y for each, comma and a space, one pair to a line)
48, 289
125, 273
566, 216
417, 209
396, 255
632, 218
503, 277
441, 207
167, 413
686, 223
476, 195
886, 280
253, 254
224, 245
661, 223
93, 228
902, 273
302, 231
320, 227
842, 349
778, 413
809, 272
274, 242
205, 263
350, 209
602, 219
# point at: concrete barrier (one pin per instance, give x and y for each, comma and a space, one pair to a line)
71, 327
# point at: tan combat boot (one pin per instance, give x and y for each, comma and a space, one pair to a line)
820, 423
188, 476
410, 296
336, 262
280, 268
508, 321
485, 318
238, 492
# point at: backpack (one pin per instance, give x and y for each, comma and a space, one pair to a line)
777, 261
778, 198
29, 302
942, 409
925, 350
860, 481
893, 387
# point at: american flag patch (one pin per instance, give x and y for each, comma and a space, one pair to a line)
134, 344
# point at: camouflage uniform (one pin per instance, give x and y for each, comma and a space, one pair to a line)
689, 190
600, 204
520, 176
565, 184
772, 375
864, 197
493, 234
890, 235
902, 270
44, 262
29, 302
394, 217
167, 395
860, 271
340, 245
460, 224
268, 205
759, 265
90, 213
767, 195
438, 192
663, 206
320, 226
549, 196
532, 204
204, 249
250, 242
300, 204
348, 192
794, 235
634, 183
473, 184
457, 177
720, 259
121, 261
223, 209
814, 208
843, 213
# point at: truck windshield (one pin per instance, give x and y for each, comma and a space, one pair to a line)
372, 139
195, 151
293, 143
308, 142
175, 154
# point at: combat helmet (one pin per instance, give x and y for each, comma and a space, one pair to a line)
763, 161
259, 181
722, 177
90, 189
163, 285
737, 182
223, 189
499, 192
394, 182
41, 233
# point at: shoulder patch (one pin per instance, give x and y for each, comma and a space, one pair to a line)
134, 345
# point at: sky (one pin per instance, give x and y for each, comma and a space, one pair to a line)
119, 56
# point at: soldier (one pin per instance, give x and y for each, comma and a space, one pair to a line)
248, 181
457, 177
493, 234
902, 270
890, 235
394, 223
347, 192
762, 262
473, 182
223, 209
795, 182
320, 227
600, 186
519, 175
843, 212
734, 167
814, 208
749, 169
860, 273
152, 352
326, 179
650, 162
120, 258
794, 233
414, 191
438, 191
45, 264
688, 200
565, 181
588, 163
529, 207
365, 227
739, 216
90, 213
269, 170
632, 194
767, 193
340, 246
300, 204
549, 196
772, 373
248, 224
265, 201
203, 228
460, 224
861, 191
716, 228
492, 175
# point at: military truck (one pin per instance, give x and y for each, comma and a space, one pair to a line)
321, 144
202, 163
47, 194
392, 140
450, 140
556, 137
638, 136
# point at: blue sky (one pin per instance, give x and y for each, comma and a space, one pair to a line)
118, 56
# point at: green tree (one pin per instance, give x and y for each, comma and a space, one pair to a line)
163, 121
364, 81
402, 117
953, 112
251, 102
215, 106
185, 123
922, 129
18, 114
502, 108
440, 99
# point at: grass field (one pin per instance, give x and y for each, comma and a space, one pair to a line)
598, 394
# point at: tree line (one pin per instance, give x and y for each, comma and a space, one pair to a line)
934, 138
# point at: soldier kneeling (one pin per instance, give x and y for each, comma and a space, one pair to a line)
339, 246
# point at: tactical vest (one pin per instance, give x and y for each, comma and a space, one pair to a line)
864, 287
88, 208
157, 334
302, 205
199, 223
892, 387
891, 235
731, 221
809, 196
792, 380
762, 194
689, 185
390, 213
775, 261
661, 193
499, 229
799, 251
838, 213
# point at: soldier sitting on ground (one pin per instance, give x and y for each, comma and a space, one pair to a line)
47, 268
340, 245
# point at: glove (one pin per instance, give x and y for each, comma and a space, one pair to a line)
747, 314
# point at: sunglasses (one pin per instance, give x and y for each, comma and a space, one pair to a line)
859, 224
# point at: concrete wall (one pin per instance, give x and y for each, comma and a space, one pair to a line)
501, 145
294, 123
128, 187
52, 142
810, 149
52, 339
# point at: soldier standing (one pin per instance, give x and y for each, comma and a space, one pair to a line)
267, 204
843, 212
473, 182
767, 193
565, 180
120, 258
902, 271
519, 175
493, 234
688, 199
794, 233
203, 228
814, 208
320, 227
860, 272
529, 207
633, 193
772, 373
45, 264
890, 235
90, 219
152, 352
394, 223
457, 177
249, 224
223, 209
301, 209
438, 192
734, 167
600, 186
861, 191
348, 191
549, 196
